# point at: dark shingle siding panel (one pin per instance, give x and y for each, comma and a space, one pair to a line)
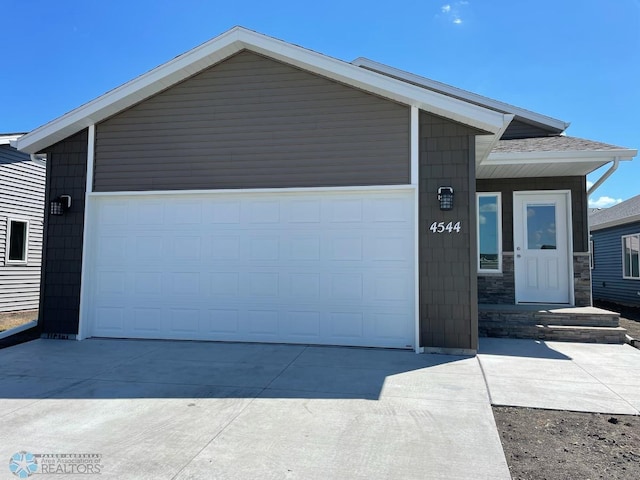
252, 122
448, 298
579, 209
607, 281
60, 298
518, 129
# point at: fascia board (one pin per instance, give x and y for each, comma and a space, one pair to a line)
9, 139
616, 223
472, 97
231, 42
575, 156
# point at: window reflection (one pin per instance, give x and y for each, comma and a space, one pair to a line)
489, 232
541, 227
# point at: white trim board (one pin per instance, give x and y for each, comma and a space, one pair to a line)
234, 41
239, 191
84, 273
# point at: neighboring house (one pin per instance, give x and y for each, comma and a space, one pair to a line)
22, 183
253, 190
615, 244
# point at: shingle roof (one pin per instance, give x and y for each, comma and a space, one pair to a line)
616, 214
558, 143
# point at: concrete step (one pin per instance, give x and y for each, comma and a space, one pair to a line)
585, 334
578, 319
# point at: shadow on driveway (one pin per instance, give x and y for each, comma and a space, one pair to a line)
519, 348
111, 369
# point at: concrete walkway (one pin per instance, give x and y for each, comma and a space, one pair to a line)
581, 377
179, 410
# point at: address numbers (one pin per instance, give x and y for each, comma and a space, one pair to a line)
441, 227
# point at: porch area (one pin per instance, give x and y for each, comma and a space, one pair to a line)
550, 322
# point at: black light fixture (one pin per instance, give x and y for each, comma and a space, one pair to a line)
445, 196
60, 205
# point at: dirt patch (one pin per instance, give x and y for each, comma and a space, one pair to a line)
15, 319
632, 326
551, 444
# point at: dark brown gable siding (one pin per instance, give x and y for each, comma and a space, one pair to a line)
579, 207
252, 122
448, 291
62, 260
518, 129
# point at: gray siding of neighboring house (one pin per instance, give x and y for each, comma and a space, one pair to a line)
60, 298
607, 281
22, 184
518, 129
448, 300
253, 122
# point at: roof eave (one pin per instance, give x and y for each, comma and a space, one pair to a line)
616, 223
566, 156
536, 118
9, 139
236, 40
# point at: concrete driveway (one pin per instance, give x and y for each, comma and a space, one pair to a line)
160, 410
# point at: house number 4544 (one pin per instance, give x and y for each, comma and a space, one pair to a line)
441, 227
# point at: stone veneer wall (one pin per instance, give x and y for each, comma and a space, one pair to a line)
499, 289
582, 279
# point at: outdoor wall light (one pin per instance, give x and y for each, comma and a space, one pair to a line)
60, 205
445, 196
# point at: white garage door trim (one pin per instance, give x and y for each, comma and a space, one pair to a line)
364, 218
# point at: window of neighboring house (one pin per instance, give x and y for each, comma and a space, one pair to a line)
18, 238
489, 218
592, 262
631, 256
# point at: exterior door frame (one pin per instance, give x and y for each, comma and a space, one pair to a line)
569, 238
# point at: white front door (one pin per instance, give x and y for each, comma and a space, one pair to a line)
541, 246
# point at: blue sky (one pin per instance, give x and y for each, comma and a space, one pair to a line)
575, 60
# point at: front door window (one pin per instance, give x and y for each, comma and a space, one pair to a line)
541, 227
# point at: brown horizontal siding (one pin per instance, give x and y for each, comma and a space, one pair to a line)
252, 122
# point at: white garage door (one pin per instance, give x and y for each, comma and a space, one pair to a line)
324, 268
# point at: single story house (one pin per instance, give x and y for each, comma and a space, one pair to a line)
22, 185
615, 246
254, 190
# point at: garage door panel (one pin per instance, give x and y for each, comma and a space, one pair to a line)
327, 268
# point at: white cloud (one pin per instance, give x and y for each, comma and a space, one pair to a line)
489, 207
452, 12
604, 202
483, 219
589, 184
